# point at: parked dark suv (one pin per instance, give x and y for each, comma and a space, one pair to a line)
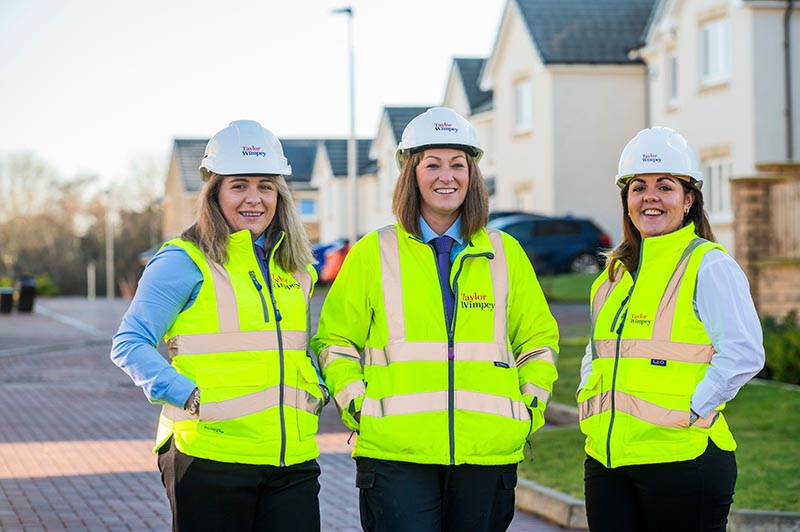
557, 244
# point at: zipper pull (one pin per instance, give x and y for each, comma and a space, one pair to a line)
622, 322
255, 281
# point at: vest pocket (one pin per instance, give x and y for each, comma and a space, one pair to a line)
309, 400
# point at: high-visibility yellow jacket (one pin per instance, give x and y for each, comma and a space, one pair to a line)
650, 350
243, 342
426, 394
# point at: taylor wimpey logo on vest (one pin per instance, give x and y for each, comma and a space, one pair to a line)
651, 158
640, 319
279, 281
444, 126
476, 301
253, 151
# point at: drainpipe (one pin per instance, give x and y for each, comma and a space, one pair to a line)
787, 68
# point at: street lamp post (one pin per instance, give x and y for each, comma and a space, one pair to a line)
110, 274
352, 178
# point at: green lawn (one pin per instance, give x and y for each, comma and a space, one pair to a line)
763, 418
569, 288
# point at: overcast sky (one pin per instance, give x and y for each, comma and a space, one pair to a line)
89, 86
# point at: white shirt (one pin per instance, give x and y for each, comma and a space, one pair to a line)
723, 304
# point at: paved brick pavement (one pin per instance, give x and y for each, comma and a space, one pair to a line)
75, 434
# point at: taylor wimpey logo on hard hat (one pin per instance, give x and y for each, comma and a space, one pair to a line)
444, 126
254, 151
651, 158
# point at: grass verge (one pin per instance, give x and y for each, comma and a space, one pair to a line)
568, 288
763, 418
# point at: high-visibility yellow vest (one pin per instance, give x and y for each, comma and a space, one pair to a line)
650, 351
428, 394
243, 342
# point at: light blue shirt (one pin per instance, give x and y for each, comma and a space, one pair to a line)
454, 232
169, 285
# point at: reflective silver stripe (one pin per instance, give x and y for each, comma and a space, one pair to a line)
392, 284
543, 353
333, 352
348, 393
665, 314
232, 342
639, 408
418, 403
245, 405
655, 349
499, 273
393, 300
227, 311
536, 391
437, 352
600, 297
305, 280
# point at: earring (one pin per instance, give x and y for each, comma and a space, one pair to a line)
685, 211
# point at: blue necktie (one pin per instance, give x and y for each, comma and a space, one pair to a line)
442, 245
262, 257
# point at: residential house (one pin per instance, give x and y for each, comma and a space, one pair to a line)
326, 157
567, 98
726, 73
329, 179
464, 95
717, 74
377, 206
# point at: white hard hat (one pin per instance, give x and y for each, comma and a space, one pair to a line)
242, 148
438, 127
659, 150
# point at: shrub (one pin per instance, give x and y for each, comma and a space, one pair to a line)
45, 286
782, 346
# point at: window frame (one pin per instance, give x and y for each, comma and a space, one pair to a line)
715, 51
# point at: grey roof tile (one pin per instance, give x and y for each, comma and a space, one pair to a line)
337, 154
470, 70
400, 116
300, 153
586, 31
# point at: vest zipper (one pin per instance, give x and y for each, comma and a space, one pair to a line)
451, 370
281, 384
616, 327
260, 295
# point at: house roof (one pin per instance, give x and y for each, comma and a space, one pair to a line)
469, 69
337, 155
399, 117
300, 153
586, 31
189, 153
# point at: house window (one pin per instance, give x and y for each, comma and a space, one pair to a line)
307, 207
672, 79
717, 189
715, 48
523, 105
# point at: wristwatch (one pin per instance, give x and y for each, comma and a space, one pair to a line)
193, 403
326, 394
693, 416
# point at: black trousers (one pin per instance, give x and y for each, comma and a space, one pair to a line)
206, 495
408, 497
690, 496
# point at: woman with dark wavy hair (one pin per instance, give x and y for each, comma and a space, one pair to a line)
675, 335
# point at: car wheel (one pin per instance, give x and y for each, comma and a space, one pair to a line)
584, 263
